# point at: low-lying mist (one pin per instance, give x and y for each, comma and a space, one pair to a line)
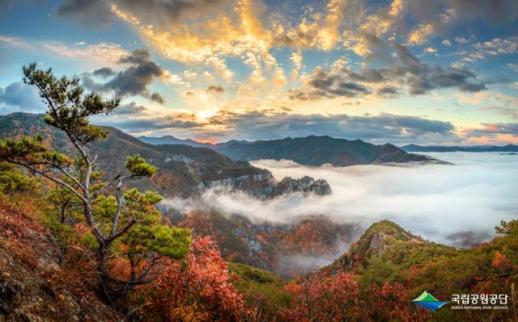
456, 204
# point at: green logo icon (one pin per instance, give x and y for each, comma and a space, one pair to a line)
428, 301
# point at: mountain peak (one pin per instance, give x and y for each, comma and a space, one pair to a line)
378, 239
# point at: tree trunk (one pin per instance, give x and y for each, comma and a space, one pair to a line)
102, 260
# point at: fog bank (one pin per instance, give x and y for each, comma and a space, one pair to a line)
454, 204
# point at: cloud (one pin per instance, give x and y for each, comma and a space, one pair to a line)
104, 72
163, 13
136, 119
474, 194
140, 72
87, 12
157, 98
440, 16
215, 89
135, 79
491, 48
493, 133
98, 54
387, 91
494, 129
328, 84
379, 129
131, 109
405, 71
18, 97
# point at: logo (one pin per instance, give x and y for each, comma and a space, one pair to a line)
481, 301
428, 301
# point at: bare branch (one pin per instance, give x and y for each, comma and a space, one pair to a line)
122, 231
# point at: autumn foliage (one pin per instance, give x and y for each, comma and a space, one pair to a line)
324, 298
198, 290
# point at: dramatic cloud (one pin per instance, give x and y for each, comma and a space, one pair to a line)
438, 202
381, 129
18, 97
152, 11
405, 71
134, 80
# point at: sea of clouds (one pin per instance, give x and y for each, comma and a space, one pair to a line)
456, 204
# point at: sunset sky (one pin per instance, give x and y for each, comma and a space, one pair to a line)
402, 71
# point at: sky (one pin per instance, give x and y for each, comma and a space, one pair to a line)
402, 71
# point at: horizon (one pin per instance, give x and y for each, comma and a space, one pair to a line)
276, 139
440, 73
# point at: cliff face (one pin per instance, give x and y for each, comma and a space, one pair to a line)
34, 283
264, 186
306, 185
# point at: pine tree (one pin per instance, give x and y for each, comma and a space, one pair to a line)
124, 224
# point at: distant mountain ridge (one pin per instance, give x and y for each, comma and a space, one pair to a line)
311, 150
319, 150
468, 148
169, 139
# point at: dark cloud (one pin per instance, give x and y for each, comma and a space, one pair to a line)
368, 75
442, 15
270, 124
378, 129
215, 89
88, 12
157, 98
156, 12
330, 84
494, 129
134, 124
495, 11
405, 72
18, 97
134, 80
104, 72
137, 57
387, 91
129, 109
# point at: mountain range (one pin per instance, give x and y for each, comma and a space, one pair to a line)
169, 139
469, 148
311, 150
182, 169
